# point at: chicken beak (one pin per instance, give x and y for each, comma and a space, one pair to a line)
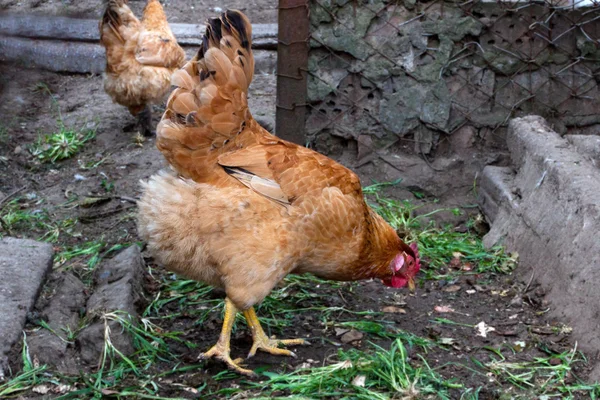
411, 285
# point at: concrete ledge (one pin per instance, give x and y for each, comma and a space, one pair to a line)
495, 189
552, 221
588, 146
24, 264
63, 44
75, 29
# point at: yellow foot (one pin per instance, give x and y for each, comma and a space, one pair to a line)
222, 353
262, 342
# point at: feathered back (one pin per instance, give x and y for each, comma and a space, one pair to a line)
208, 110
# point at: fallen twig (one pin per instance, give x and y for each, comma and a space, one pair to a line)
10, 195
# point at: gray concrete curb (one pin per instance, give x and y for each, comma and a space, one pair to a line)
24, 264
548, 210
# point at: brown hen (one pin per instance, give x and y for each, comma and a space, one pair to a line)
243, 208
140, 57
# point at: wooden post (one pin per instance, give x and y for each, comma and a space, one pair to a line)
292, 65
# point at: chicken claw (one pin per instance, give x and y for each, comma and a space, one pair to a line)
263, 342
221, 350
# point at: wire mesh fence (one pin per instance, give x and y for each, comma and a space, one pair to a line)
382, 72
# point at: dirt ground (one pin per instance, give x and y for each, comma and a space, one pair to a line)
27, 110
33, 103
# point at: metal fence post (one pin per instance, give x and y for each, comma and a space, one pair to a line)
292, 64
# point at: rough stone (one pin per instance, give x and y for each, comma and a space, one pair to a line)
502, 63
118, 288
588, 146
326, 82
454, 28
24, 264
409, 98
553, 223
463, 140
435, 110
62, 316
432, 71
495, 189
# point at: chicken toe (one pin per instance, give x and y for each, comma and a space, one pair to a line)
221, 350
262, 342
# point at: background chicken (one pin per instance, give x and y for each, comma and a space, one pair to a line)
140, 57
243, 208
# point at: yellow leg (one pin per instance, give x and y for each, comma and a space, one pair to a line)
264, 343
221, 350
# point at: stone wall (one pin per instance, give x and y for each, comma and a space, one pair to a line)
383, 72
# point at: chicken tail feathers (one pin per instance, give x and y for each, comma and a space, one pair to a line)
208, 111
116, 15
111, 18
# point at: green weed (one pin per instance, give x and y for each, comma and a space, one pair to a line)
438, 245
382, 374
17, 215
65, 142
60, 145
548, 377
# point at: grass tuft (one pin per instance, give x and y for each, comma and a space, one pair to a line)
438, 245
382, 374
60, 145
63, 143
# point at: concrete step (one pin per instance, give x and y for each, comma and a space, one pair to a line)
495, 189
63, 44
24, 264
588, 146
548, 211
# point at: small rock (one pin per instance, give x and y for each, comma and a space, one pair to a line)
340, 331
443, 309
359, 380
516, 301
451, 289
483, 329
18, 150
393, 309
118, 288
351, 336
61, 315
463, 140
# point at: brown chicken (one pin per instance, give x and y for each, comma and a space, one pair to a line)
243, 208
140, 58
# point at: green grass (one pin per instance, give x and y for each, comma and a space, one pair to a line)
438, 244
398, 366
380, 374
84, 258
541, 377
64, 142
60, 145
3, 133
23, 216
